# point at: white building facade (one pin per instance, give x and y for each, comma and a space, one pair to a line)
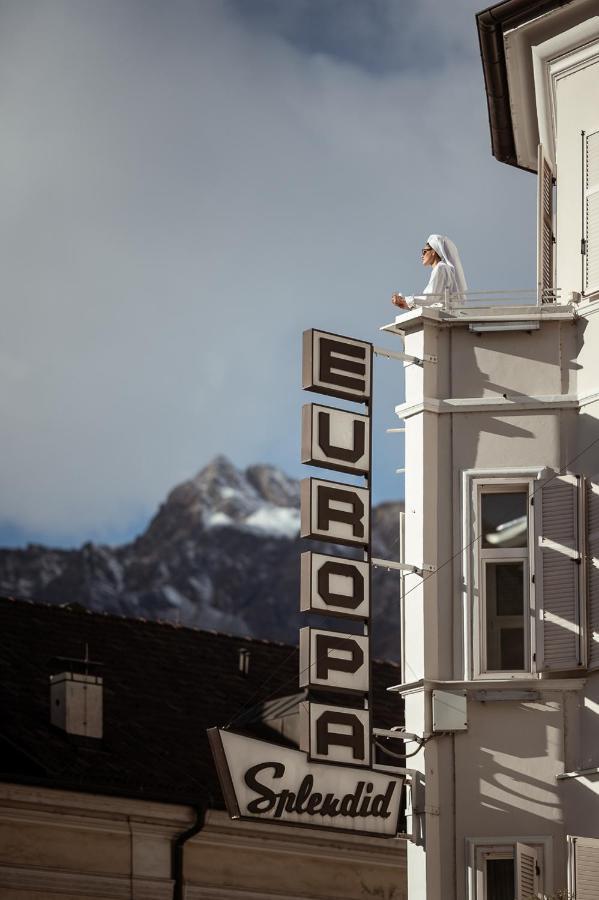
501, 624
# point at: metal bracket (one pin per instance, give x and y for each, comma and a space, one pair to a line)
402, 567
397, 734
405, 357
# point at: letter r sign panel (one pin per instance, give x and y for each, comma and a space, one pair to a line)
334, 512
336, 365
335, 439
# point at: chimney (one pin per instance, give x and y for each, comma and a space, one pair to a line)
76, 703
244, 660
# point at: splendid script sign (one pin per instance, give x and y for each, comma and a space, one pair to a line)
276, 784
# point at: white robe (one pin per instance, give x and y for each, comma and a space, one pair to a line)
442, 276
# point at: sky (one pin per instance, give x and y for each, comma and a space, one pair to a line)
186, 187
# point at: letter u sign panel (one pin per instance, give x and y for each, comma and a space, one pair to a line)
334, 512
336, 365
335, 439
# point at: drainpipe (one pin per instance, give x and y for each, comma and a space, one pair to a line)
178, 848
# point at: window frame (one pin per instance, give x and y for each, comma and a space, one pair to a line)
590, 288
479, 849
502, 485
475, 483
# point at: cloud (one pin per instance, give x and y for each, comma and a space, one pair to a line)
381, 36
183, 192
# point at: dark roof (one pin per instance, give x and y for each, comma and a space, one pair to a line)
492, 23
163, 687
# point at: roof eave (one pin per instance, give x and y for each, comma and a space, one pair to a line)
492, 24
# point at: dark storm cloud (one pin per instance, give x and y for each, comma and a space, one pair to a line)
182, 193
380, 36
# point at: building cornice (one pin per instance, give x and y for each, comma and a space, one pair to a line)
493, 405
541, 685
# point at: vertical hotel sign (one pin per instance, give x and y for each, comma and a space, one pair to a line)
336, 513
330, 782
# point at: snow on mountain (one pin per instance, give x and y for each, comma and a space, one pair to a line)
221, 552
276, 521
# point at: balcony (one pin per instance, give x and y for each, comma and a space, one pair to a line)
497, 310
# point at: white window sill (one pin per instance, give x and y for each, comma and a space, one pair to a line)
581, 773
526, 682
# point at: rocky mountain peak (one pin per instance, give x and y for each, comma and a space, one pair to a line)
262, 498
218, 476
273, 485
222, 552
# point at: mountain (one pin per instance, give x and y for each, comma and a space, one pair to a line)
222, 553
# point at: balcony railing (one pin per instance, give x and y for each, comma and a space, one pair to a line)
450, 300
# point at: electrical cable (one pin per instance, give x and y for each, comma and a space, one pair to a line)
248, 704
421, 742
423, 578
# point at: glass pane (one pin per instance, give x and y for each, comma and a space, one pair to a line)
504, 520
500, 879
505, 608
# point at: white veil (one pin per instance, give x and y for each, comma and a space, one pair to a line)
447, 250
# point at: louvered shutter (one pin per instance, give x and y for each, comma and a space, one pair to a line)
526, 872
592, 568
545, 238
557, 573
584, 868
591, 212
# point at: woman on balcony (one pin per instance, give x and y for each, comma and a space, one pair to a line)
441, 253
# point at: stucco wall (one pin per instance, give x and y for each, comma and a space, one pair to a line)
58, 844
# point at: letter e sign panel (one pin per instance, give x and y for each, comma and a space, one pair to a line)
335, 586
336, 365
335, 734
334, 512
335, 439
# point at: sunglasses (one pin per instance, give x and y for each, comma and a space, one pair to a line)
426, 250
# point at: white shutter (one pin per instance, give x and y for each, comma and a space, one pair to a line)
584, 868
591, 212
592, 568
545, 238
557, 573
526, 872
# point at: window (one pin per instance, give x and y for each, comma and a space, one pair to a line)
591, 211
583, 868
509, 869
503, 577
531, 574
545, 235
499, 877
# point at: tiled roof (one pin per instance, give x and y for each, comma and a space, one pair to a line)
163, 687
